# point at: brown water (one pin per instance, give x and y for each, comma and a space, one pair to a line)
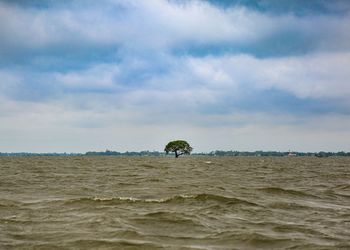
166, 203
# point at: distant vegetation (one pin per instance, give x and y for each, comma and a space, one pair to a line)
156, 153
274, 153
178, 147
127, 153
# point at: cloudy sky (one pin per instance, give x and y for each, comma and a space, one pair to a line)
80, 75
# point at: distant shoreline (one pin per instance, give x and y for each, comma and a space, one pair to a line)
162, 154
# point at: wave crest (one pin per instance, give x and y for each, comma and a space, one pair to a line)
203, 197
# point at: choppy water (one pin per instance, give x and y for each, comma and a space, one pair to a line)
166, 203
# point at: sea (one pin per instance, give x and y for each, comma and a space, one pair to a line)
166, 203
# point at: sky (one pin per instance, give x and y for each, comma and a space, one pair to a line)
130, 75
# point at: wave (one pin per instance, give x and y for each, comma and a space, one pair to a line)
343, 187
9, 203
116, 243
203, 197
288, 206
148, 166
283, 191
223, 199
253, 240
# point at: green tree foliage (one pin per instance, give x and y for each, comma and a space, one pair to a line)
179, 147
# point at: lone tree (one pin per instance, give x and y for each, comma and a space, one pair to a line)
179, 147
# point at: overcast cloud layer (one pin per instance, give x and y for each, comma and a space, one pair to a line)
131, 75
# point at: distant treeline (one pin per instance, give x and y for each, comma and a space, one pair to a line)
213, 153
40, 154
274, 153
127, 153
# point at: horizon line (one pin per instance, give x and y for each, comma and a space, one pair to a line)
162, 152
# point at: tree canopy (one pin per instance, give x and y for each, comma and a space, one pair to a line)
179, 147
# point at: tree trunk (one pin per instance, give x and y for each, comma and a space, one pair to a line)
176, 155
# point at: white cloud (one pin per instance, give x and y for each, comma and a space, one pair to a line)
160, 25
101, 75
196, 83
311, 76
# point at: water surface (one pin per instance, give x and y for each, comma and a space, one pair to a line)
166, 203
